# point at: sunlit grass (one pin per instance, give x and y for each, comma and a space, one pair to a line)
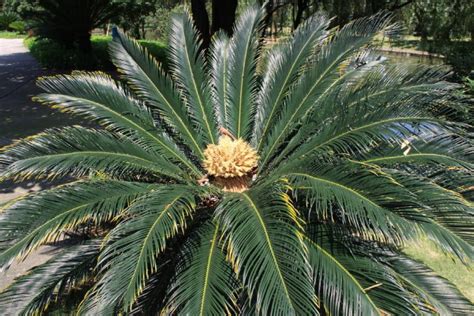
7, 34
452, 269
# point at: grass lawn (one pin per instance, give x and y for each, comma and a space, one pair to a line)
7, 34
53, 55
451, 269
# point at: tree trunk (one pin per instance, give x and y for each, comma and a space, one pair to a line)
223, 15
298, 12
201, 20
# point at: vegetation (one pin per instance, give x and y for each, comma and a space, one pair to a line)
212, 191
6, 18
444, 26
7, 34
67, 22
53, 55
18, 26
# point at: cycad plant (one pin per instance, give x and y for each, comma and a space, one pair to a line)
225, 188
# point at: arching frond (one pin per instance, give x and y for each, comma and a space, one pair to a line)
383, 286
98, 97
362, 134
361, 198
147, 78
418, 87
130, 254
322, 77
394, 282
367, 200
204, 282
188, 69
265, 248
31, 294
44, 216
446, 149
77, 151
338, 289
451, 217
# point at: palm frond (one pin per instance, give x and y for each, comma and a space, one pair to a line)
284, 64
98, 97
188, 69
362, 134
337, 288
77, 151
446, 149
322, 77
43, 217
129, 256
404, 91
218, 77
439, 292
148, 80
204, 282
451, 217
31, 294
383, 286
386, 206
393, 281
242, 85
264, 245
360, 198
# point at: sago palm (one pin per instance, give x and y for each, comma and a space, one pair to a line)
245, 181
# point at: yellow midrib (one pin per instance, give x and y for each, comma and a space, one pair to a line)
267, 238
208, 269
199, 97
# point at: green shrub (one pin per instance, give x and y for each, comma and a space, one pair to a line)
6, 18
459, 55
18, 26
469, 85
51, 54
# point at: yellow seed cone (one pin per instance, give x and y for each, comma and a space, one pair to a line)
230, 162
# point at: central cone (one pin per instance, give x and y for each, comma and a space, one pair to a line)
230, 163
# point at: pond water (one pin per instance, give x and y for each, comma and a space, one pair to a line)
412, 59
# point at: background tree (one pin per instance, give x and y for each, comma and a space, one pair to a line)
443, 20
132, 15
68, 22
222, 17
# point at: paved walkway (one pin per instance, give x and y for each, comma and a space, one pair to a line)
20, 117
